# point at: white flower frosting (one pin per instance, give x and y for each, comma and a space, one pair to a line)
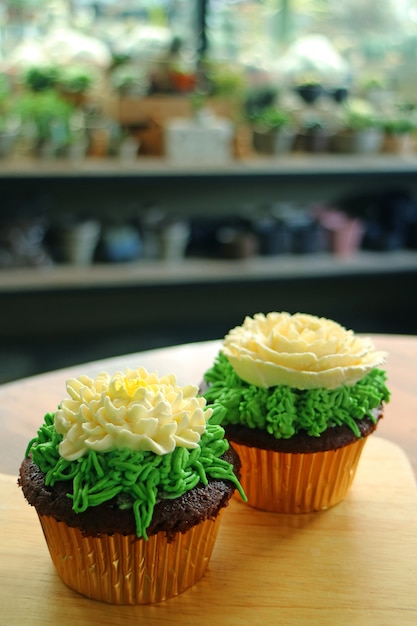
132, 409
301, 351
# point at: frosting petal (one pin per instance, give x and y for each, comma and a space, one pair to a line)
301, 351
132, 409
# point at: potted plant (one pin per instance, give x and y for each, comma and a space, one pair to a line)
314, 136
102, 132
40, 78
9, 123
77, 144
130, 80
46, 120
225, 81
273, 130
182, 79
74, 81
225, 87
360, 130
374, 89
9, 130
399, 134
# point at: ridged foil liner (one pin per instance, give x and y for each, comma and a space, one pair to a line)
297, 483
122, 569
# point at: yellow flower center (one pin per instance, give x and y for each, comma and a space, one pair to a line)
132, 385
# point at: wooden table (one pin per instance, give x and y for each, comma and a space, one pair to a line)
354, 564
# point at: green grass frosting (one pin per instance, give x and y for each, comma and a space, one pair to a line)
284, 411
139, 479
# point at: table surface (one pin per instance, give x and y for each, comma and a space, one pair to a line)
354, 564
24, 402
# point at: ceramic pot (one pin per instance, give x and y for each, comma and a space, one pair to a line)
313, 141
366, 141
399, 143
174, 239
78, 242
277, 141
7, 142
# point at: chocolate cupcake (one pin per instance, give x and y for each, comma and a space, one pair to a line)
129, 478
300, 394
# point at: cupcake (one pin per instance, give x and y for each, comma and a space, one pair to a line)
129, 478
300, 394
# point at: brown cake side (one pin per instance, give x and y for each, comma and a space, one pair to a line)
170, 516
302, 443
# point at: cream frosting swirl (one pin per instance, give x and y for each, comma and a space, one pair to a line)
301, 351
132, 409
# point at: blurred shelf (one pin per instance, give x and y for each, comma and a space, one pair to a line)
203, 271
295, 164
99, 187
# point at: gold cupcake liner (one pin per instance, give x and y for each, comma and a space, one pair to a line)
122, 569
297, 483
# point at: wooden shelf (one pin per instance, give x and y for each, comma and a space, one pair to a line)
203, 271
295, 164
98, 187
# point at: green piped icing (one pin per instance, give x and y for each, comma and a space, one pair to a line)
284, 411
139, 479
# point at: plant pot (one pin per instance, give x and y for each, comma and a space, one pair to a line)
346, 239
344, 233
78, 242
44, 149
367, 141
121, 243
183, 82
128, 149
204, 139
317, 141
7, 142
277, 141
98, 140
235, 241
273, 236
243, 141
77, 150
174, 239
304, 233
399, 143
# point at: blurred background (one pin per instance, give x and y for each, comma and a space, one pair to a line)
170, 166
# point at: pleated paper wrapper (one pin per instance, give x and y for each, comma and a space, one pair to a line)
121, 569
297, 483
